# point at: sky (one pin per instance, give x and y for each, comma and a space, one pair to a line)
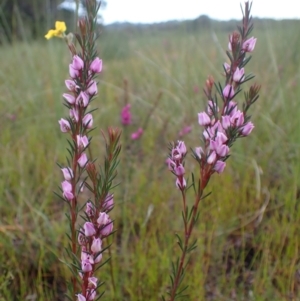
151, 11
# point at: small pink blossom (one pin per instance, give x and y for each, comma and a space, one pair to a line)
226, 122
82, 99
108, 228
179, 170
88, 121
126, 115
249, 45
92, 89
227, 67
102, 219
238, 75
212, 157
211, 108
90, 210
96, 245
67, 190
98, 258
69, 98
137, 135
108, 203
77, 62
74, 114
86, 256
228, 91
203, 119
73, 72
93, 281
237, 119
171, 164
96, 65
82, 141
187, 129
219, 166
86, 266
64, 125
71, 85
91, 295
68, 173
199, 152
82, 160
80, 297
89, 229
247, 128
180, 183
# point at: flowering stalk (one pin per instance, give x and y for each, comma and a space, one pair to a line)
222, 126
86, 243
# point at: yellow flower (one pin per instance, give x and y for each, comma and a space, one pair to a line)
60, 28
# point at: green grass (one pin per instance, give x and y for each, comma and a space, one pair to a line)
248, 230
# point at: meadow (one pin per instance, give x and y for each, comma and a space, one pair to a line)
248, 229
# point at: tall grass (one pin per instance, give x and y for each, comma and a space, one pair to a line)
248, 232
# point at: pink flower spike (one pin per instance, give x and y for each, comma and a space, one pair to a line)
96, 245
249, 45
88, 121
203, 119
64, 125
247, 128
238, 75
86, 266
77, 63
137, 135
80, 297
96, 65
82, 99
82, 161
68, 173
67, 190
228, 91
69, 98
89, 229
92, 89
219, 166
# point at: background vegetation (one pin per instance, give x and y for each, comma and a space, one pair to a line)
248, 231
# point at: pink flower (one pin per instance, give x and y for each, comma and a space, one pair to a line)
91, 295
69, 98
179, 170
126, 115
219, 166
211, 108
92, 89
73, 72
81, 297
199, 152
77, 63
249, 45
70, 84
96, 65
68, 173
108, 203
82, 99
107, 229
238, 75
82, 142
226, 122
247, 128
64, 125
237, 119
98, 258
96, 245
93, 281
86, 266
137, 135
203, 119
89, 229
74, 114
89, 210
88, 121
227, 67
212, 157
180, 183
102, 219
82, 160
187, 129
67, 190
228, 91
